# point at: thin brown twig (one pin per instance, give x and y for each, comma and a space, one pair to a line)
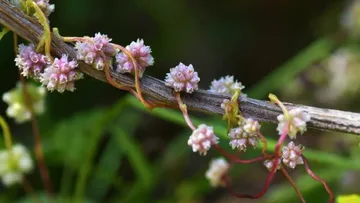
201, 100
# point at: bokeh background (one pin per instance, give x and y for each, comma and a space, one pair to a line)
101, 146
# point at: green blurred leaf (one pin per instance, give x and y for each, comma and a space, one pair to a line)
94, 134
134, 153
106, 170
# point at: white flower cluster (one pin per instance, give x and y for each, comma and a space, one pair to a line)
245, 135
297, 122
291, 156
17, 108
218, 168
14, 164
225, 85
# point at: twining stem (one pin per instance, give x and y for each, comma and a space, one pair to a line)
136, 68
35, 128
236, 159
264, 148
274, 99
7, 134
292, 182
184, 111
314, 176
114, 83
46, 38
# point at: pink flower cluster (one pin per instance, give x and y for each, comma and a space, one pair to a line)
30, 63
96, 51
141, 54
202, 139
61, 75
182, 78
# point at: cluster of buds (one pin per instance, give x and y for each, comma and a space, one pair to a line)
202, 139
31, 63
217, 169
182, 78
295, 119
291, 157
17, 107
14, 164
95, 51
245, 135
59, 75
142, 55
226, 85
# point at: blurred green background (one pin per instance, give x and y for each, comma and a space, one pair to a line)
102, 146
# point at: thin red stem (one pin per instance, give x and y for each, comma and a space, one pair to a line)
317, 178
273, 169
236, 159
292, 182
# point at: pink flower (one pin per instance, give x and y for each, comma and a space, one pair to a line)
30, 63
142, 55
291, 155
96, 51
182, 78
202, 138
61, 75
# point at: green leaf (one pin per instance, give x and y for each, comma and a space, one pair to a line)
134, 153
105, 172
318, 50
95, 131
176, 117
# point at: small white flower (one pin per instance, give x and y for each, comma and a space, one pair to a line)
291, 155
14, 164
202, 138
225, 85
270, 163
218, 168
245, 135
297, 122
17, 108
